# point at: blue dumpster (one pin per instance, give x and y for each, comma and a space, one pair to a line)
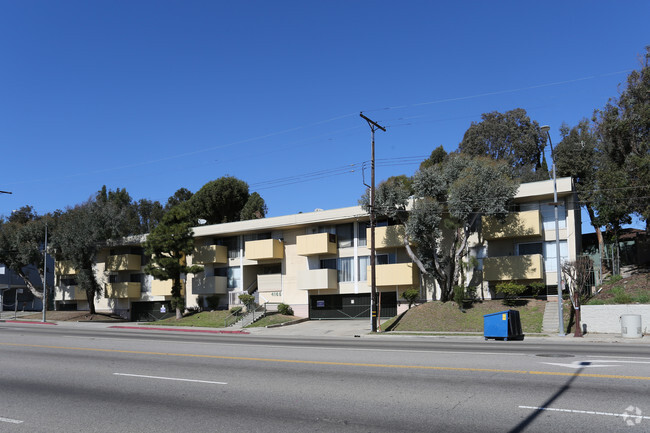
504, 324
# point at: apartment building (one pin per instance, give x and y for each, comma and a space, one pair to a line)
318, 262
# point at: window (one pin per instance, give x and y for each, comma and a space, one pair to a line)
529, 248
363, 226
548, 216
386, 259
364, 262
112, 279
345, 235
68, 281
344, 265
550, 255
135, 278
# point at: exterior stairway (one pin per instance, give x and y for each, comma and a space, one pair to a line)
248, 318
550, 322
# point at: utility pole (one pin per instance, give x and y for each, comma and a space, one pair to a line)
45, 275
373, 275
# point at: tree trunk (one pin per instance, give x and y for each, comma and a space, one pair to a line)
599, 236
38, 294
90, 297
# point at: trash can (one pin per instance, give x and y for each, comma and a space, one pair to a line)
631, 326
504, 324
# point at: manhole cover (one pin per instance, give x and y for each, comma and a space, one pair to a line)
554, 355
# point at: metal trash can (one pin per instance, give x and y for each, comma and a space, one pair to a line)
631, 326
505, 325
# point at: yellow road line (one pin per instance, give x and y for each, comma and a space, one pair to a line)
347, 364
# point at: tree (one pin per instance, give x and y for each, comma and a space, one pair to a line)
577, 275
624, 125
80, 234
411, 296
168, 244
22, 240
511, 137
449, 200
181, 195
223, 200
254, 208
437, 156
149, 213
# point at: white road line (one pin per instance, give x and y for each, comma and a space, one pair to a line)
170, 378
12, 421
585, 412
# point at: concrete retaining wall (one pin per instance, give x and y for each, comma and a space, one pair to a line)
606, 318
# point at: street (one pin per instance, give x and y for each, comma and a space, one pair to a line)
98, 379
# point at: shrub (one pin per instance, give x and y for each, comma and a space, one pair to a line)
247, 300
285, 310
212, 301
459, 295
236, 310
411, 295
510, 291
536, 288
620, 297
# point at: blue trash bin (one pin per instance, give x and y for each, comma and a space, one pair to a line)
504, 324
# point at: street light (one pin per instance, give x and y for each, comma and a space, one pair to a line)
546, 129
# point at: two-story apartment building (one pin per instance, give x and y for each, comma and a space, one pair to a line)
318, 262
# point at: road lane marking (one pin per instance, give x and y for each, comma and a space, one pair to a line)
170, 378
12, 421
346, 364
584, 412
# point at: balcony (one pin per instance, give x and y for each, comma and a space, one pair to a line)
69, 293
387, 237
321, 279
516, 225
122, 290
269, 283
124, 262
161, 288
319, 243
202, 285
210, 254
396, 274
64, 267
529, 267
266, 249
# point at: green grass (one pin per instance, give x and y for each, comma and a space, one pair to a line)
446, 317
208, 319
272, 319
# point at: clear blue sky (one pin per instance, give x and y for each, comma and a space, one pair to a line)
152, 96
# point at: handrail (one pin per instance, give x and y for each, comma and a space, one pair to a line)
234, 317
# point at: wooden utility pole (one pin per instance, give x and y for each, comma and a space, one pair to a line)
373, 275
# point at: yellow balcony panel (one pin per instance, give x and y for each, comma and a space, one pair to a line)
161, 288
387, 237
210, 254
269, 283
123, 290
64, 267
396, 274
319, 243
516, 225
123, 262
69, 293
266, 249
528, 267
320, 279
202, 285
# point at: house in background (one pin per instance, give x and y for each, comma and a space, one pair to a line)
318, 262
14, 294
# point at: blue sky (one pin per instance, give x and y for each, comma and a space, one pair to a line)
152, 96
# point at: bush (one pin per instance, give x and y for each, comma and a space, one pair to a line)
247, 300
285, 310
411, 295
536, 288
510, 291
459, 295
212, 301
236, 310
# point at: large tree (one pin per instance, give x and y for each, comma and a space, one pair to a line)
22, 241
168, 244
511, 137
223, 200
624, 125
449, 199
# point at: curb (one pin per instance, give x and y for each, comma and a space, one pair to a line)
28, 322
205, 331
295, 322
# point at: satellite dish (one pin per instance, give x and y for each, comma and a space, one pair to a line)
202, 221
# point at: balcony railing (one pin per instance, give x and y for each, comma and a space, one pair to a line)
210, 254
124, 262
396, 274
269, 283
317, 279
266, 249
318, 243
122, 290
528, 267
64, 267
69, 293
214, 285
516, 225
161, 288
387, 236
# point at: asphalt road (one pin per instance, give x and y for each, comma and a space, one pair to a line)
98, 379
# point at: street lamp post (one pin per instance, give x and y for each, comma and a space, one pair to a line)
546, 129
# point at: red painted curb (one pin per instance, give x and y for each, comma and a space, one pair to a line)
31, 323
180, 330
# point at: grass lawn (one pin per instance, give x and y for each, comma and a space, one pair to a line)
208, 319
272, 319
446, 317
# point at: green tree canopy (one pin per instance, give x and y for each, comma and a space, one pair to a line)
511, 137
223, 200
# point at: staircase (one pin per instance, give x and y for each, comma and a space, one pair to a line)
551, 320
250, 317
